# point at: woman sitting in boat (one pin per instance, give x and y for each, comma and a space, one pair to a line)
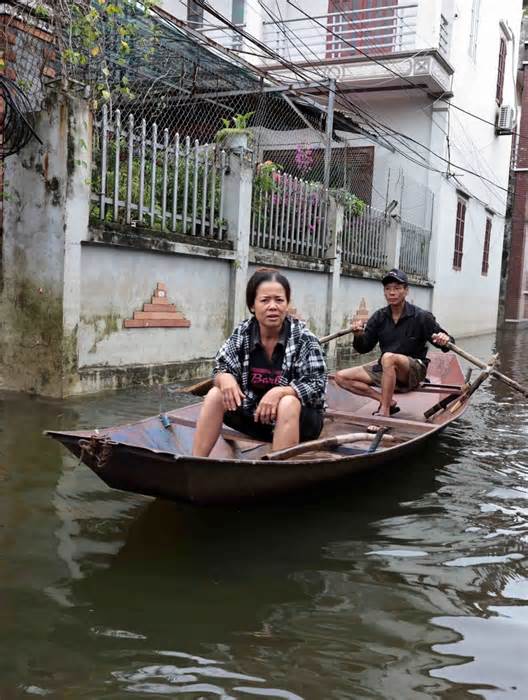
269, 376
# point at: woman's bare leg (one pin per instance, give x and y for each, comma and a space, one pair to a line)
286, 432
209, 423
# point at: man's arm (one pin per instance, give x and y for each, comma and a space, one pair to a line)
365, 336
436, 334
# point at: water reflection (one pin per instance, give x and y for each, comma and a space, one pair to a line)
406, 583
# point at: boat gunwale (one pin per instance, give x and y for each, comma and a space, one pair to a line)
174, 457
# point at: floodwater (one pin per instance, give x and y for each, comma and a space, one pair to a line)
409, 583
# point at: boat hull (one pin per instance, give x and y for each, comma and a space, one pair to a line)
216, 482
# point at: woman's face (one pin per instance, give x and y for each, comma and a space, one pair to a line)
271, 305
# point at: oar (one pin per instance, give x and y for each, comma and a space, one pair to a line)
475, 385
324, 443
201, 388
327, 338
493, 372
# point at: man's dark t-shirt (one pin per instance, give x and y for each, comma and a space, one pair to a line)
407, 337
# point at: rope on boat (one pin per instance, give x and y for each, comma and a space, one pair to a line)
99, 448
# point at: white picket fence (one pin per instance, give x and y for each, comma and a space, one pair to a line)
146, 179
161, 183
414, 251
365, 238
290, 216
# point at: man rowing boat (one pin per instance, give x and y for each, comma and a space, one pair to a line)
402, 331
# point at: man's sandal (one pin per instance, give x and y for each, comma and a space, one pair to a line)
392, 410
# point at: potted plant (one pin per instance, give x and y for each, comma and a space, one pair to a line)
235, 132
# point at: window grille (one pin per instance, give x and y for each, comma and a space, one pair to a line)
485, 252
501, 70
459, 232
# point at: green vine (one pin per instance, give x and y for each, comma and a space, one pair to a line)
95, 39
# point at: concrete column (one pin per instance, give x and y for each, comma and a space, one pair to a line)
516, 299
46, 218
335, 236
393, 245
238, 187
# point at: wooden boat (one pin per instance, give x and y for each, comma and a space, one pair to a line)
153, 456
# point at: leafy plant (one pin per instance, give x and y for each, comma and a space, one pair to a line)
267, 177
352, 204
240, 123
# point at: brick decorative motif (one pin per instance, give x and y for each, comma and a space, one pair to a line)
158, 313
362, 312
292, 311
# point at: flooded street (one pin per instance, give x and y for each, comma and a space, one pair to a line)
408, 583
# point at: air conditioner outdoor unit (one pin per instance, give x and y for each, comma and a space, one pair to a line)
505, 120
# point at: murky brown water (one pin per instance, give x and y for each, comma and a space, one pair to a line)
405, 584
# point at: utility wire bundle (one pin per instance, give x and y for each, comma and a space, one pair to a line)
17, 122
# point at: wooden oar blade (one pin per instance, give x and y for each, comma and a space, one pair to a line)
199, 389
494, 372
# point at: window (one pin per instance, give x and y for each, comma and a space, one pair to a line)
195, 14
501, 70
238, 12
473, 32
459, 231
376, 26
485, 252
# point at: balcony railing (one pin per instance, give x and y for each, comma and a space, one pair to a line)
345, 34
225, 36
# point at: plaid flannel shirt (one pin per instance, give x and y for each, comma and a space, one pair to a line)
303, 368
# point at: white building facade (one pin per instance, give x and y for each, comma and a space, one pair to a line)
434, 82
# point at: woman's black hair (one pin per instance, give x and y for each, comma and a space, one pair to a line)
265, 274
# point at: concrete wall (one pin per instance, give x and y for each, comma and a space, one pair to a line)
110, 356
115, 282
45, 220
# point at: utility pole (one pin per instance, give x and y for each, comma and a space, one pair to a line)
329, 130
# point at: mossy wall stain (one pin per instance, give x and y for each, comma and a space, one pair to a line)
36, 348
103, 325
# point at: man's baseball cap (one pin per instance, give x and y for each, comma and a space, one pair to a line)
395, 275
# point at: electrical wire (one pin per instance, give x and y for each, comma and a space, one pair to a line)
298, 72
18, 124
398, 75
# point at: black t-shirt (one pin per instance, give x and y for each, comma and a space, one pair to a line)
264, 374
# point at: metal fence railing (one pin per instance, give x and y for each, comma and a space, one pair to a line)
152, 179
345, 33
289, 214
414, 251
365, 238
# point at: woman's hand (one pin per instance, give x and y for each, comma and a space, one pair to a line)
232, 394
269, 404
